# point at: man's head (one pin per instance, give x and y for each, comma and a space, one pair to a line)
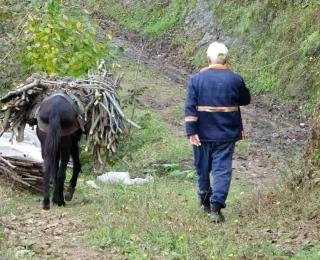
217, 53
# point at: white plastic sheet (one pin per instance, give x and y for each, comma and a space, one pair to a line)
29, 149
123, 178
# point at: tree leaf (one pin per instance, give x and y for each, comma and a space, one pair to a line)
79, 25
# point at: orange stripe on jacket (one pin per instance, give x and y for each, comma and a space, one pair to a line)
191, 118
211, 108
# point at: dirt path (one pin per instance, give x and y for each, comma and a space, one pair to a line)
56, 234
277, 131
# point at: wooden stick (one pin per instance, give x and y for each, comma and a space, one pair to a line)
7, 162
18, 91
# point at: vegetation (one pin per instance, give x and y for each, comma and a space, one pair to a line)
271, 30
61, 42
51, 38
161, 220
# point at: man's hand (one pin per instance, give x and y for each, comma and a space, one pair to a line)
194, 140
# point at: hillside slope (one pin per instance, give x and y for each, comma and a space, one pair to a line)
274, 44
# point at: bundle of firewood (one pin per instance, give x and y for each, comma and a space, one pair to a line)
102, 109
27, 174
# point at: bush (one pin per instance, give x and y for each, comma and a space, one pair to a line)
61, 41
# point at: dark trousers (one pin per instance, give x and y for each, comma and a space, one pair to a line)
215, 157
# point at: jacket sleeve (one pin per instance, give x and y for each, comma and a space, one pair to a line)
191, 114
244, 94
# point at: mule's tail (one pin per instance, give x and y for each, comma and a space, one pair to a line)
53, 141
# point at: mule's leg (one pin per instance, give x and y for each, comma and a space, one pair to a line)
64, 159
46, 173
46, 188
55, 180
75, 151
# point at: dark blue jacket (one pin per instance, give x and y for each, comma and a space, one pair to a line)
212, 105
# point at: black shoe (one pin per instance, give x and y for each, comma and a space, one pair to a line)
205, 206
217, 217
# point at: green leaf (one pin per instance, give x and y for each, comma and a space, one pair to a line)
79, 25
171, 166
175, 174
191, 175
58, 36
63, 24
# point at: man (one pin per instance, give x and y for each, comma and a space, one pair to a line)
213, 125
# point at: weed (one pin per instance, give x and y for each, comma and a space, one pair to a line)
178, 111
199, 59
243, 146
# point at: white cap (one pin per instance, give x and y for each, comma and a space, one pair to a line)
217, 51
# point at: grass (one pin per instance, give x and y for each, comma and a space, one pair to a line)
161, 220
153, 19
274, 30
243, 146
155, 142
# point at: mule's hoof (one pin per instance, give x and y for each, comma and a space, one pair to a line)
69, 194
62, 203
46, 207
46, 204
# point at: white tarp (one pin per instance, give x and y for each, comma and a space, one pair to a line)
29, 149
123, 178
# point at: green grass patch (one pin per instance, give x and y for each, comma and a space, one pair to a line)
153, 19
163, 220
242, 146
155, 142
274, 31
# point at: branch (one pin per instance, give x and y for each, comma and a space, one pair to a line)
18, 91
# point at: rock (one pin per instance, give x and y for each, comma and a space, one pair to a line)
23, 253
207, 23
207, 38
210, 28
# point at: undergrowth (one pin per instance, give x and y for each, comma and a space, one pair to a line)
161, 220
